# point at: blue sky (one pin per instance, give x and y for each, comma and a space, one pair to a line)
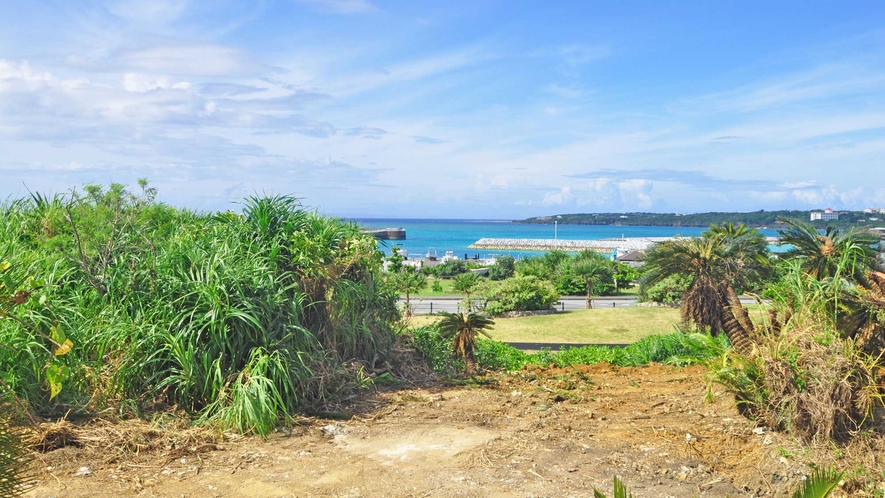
477, 109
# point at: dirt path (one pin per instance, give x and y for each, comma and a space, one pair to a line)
536, 433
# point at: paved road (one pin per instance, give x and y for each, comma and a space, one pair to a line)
430, 305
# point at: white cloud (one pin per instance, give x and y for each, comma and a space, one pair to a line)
141, 83
564, 196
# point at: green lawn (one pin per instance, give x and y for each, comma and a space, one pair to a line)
605, 326
446, 286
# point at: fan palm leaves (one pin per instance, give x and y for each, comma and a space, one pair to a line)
464, 329
845, 253
591, 268
724, 258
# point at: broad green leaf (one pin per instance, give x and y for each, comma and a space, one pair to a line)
10, 285
57, 335
56, 376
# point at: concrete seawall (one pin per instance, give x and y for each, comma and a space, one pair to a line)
386, 233
604, 245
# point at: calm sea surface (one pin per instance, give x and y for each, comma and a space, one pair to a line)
456, 235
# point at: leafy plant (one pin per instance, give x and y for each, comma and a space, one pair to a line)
620, 490
463, 329
520, 293
819, 484
503, 268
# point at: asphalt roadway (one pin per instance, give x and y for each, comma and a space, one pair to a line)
429, 305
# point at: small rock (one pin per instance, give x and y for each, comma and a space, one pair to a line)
760, 431
83, 472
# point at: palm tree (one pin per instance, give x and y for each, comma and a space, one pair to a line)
722, 259
591, 267
832, 253
409, 281
466, 283
464, 328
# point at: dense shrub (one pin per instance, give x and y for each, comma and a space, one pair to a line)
667, 291
241, 319
515, 294
450, 268
502, 269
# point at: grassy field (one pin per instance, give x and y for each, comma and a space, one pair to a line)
597, 326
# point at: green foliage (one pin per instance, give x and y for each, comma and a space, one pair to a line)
844, 253
520, 293
466, 283
15, 462
450, 268
463, 329
624, 277
819, 484
436, 350
674, 349
668, 290
503, 268
240, 319
409, 281
395, 260
620, 490
436, 286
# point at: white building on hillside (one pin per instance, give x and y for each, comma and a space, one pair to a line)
825, 215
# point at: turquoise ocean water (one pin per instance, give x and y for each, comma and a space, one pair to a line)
457, 235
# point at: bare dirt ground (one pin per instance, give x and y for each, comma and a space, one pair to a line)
542, 432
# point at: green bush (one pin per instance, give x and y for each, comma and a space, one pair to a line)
241, 319
520, 293
502, 269
450, 268
667, 291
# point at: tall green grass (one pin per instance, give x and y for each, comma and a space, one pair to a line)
241, 319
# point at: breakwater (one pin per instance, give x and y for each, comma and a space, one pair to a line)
386, 233
602, 245
621, 244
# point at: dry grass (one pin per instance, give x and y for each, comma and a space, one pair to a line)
596, 326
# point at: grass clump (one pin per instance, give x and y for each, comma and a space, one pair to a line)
240, 319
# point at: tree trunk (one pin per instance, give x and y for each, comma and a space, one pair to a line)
737, 334
470, 363
589, 295
408, 311
740, 312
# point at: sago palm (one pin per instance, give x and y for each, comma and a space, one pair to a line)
464, 329
722, 259
825, 255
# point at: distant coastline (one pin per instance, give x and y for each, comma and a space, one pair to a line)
758, 219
